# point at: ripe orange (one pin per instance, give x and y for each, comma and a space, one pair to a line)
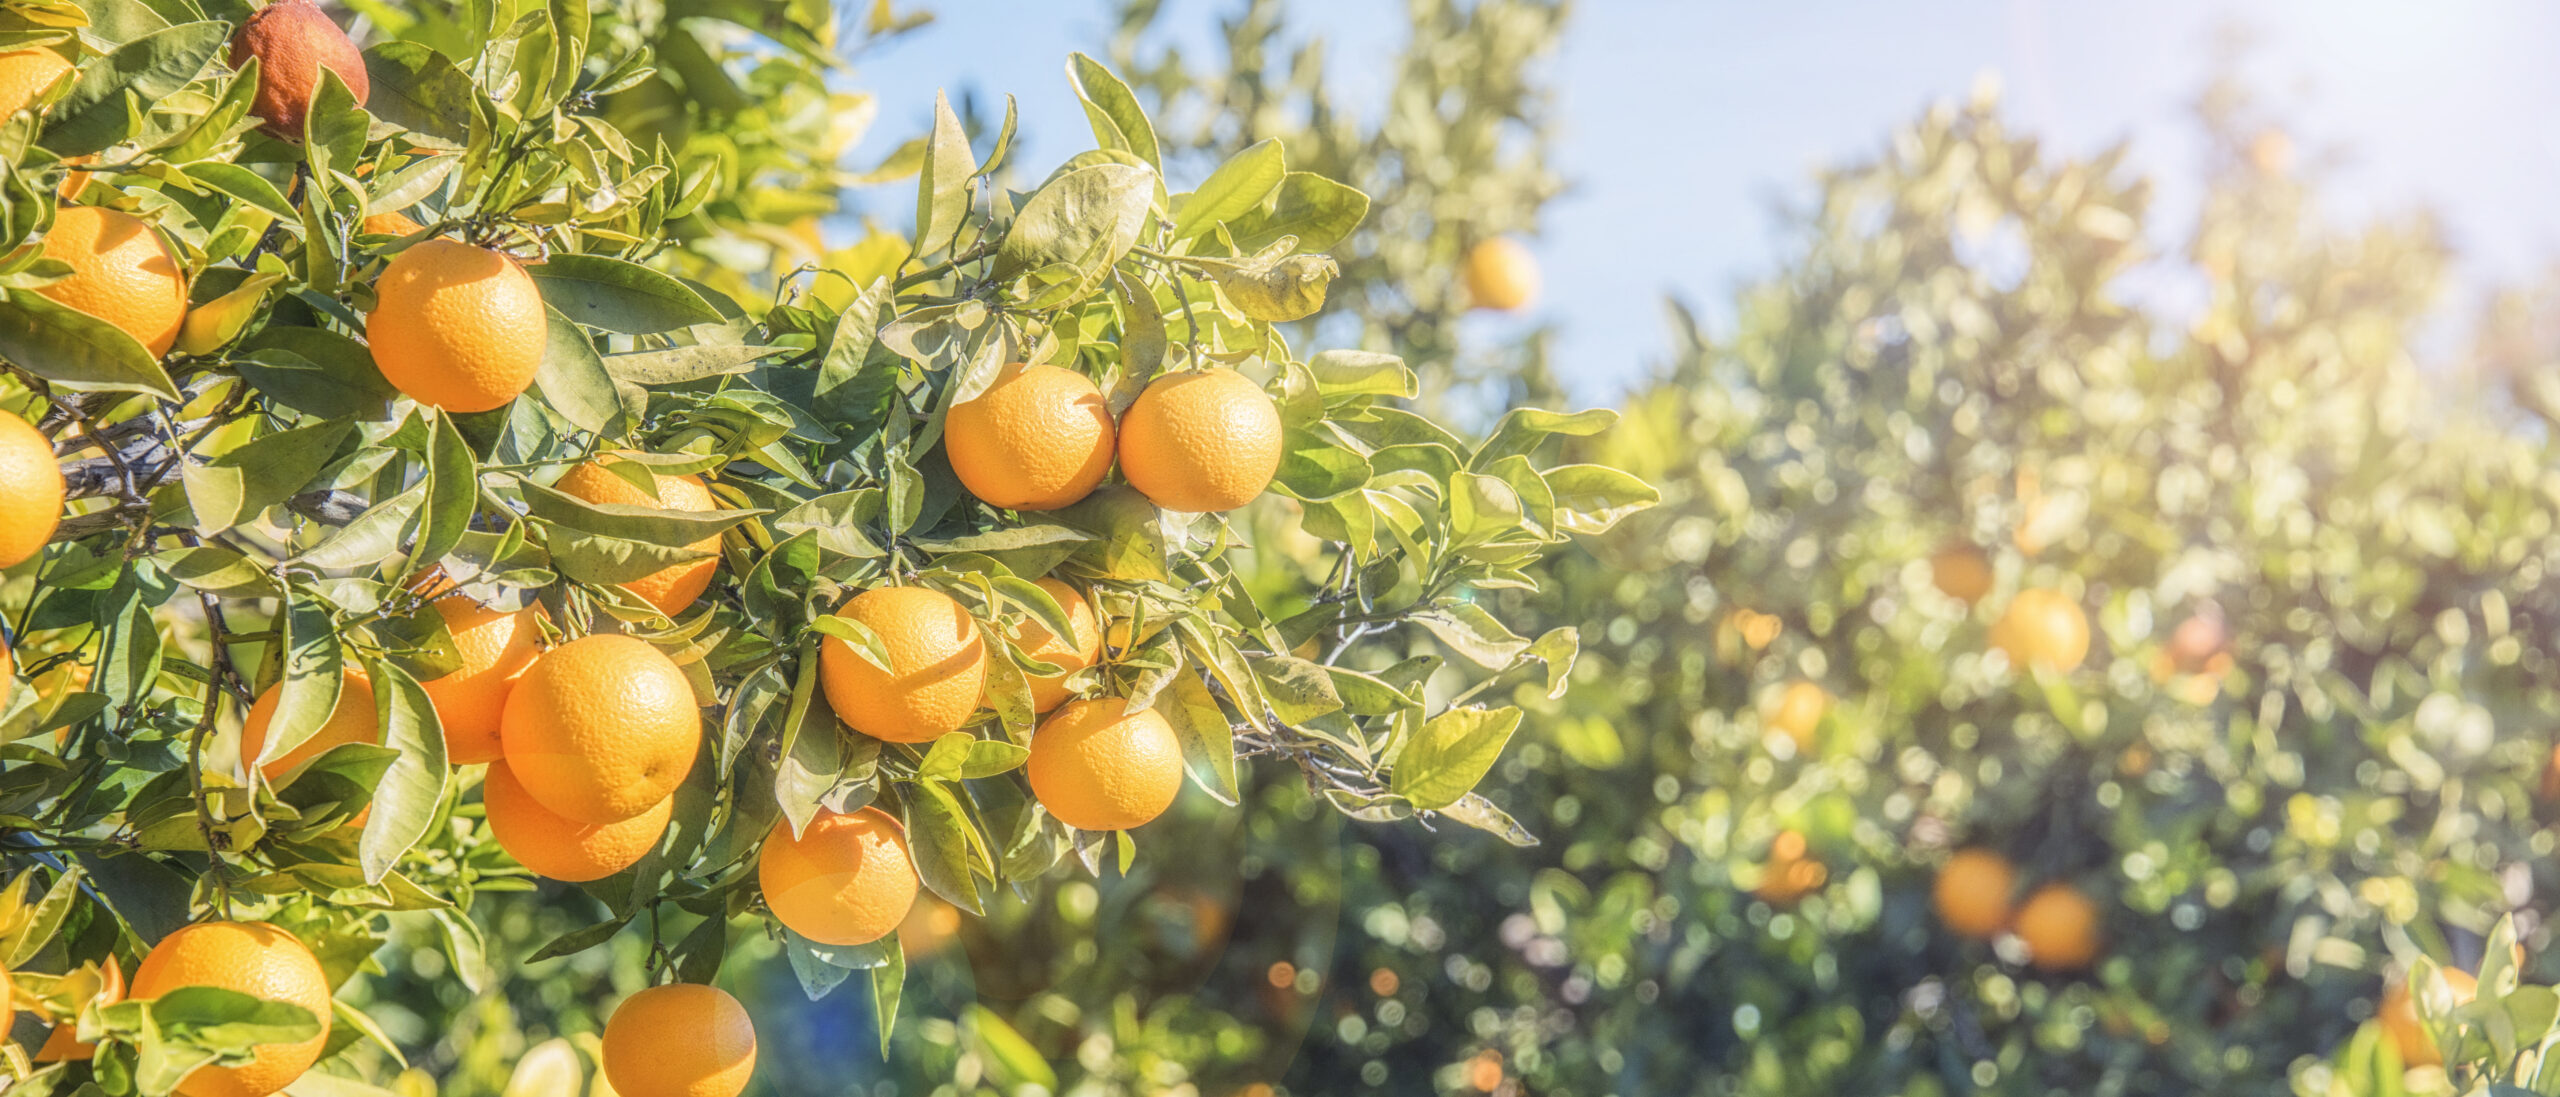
353, 721
390, 223
1789, 874
293, 41
1961, 572
937, 666
63, 1043
565, 849
30, 491
1973, 892
2060, 926
457, 327
846, 880
1070, 654
25, 74
2399, 1016
1099, 765
1039, 438
680, 1040
1201, 441
253, 958
1501, 275
674, 588
2043, 628
601, 728
1797, 712
120, 273
496, 648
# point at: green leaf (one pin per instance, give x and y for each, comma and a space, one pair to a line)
1085, 220
677, 365
405, 803
1474, 810
1238, 187
240, 484
888, 981
1315, 466
313, 673
453, 495
943, 760
421, 91
34, 927
1118, 121
1453, 752
216, 1018
1298, 690
1208, 741
1316, 210
315, 371
603, 292
245, 185
988, 757
1472, 632
76, 350
942, 188
376, 535
1347, 374
857, 637
100, 109
219, 570
938, 831
1594, 498
648, 525
573, 380
1522, 429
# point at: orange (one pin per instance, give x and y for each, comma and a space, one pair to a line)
674, 588
1789, 875
390, 223
1961, 572
63, 1043
1501, 275
457, 327
1797, 712
2060, 926
1038, 438
293, 41
496, 647
353, 721
253, 958
564, 849
2195, 643
2399, 1016
846, 880
2043, 628
1201, 441
680, 1040
25, 74
1973, 892
937, 666
1099, 765
120, 273
1070, 654
601, 728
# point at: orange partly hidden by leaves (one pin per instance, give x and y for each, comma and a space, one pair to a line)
456, 326
2043, 628
120, 273
1501, 275
63, 1044
1790, 873
31, 489
1070, 653
390, 223
1038, 438
496, 646
255, 959
1201, 441
1099, 765
601, 728
2399, 1016
294, 41
674, 588
846, 880
1973, 892
1797, 712
25, 74
565, 849
937, 666
680, 1040
353, 721
2059, 923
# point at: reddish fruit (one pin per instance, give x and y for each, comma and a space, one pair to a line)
293, 40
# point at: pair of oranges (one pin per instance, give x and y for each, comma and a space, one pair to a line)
1041, 437
2058, 922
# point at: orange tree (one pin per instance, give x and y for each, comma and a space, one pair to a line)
455, 490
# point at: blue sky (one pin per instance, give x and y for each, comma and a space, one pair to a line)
1685, 126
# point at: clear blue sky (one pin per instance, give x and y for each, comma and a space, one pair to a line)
1684, 125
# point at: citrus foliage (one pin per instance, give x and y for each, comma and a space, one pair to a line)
488, 349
